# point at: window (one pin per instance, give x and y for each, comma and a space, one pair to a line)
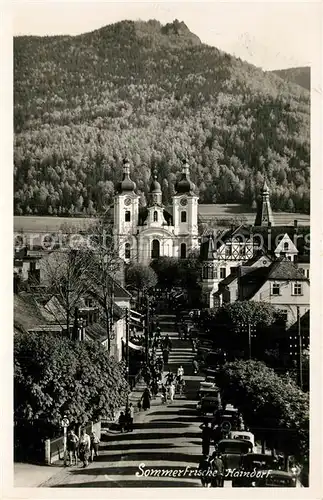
275, 289
223, 273
286, 246
183, 251
32, 266
127, 252
297, 289
127, 216
307, 273
183, 216
155, 249
155, 216
284, 315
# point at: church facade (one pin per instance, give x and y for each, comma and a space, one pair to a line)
145, 233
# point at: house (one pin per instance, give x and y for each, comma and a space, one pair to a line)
281, 284
222, 252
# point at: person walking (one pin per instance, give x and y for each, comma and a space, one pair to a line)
95, 441
169, 378
163, 394
129, 417
145, 398
122, 421
84, 447
218, 468
171, 392
72, 445
206, 437
165, 356
180, 371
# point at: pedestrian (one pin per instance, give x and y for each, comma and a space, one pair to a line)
218, 468
122, 421
72, 445
171, 392
129, 417
206, 437
159, 364
84, 447
164, 394
95, 441
205, 468
154, 387
145, 398
195, 366
180, 371
169, 378
165, 356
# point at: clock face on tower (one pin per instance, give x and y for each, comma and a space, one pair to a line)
127, 201
183, 202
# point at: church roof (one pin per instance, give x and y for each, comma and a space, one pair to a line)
126, 185
184, 185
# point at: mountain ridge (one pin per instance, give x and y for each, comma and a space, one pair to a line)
154, 93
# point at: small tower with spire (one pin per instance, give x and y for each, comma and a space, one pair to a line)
155, 194
264, 215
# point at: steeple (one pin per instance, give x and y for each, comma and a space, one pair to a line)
210, 249
264, 215
126, 185
184, 185
155, 194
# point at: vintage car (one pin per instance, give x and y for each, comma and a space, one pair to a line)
276, 479
231, 451
207, 388
248, 436
229, 414
253, 462
208, 405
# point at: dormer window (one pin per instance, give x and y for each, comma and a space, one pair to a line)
155, 216
275, 289
183, 216
127, 216
286, 246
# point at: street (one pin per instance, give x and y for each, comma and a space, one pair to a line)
166, 437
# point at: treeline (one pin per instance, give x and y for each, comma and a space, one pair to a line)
83, 103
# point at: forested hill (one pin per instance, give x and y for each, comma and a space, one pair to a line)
156, 94
301, 76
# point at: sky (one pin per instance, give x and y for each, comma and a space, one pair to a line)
271, 35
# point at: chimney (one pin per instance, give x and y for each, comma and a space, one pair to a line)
295, 226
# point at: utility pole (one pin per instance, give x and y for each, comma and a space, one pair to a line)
127, 343
147, 321
249, 339
300, 350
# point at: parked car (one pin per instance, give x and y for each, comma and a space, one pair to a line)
230, 415
209, 404
251, 462
275, 479
247, 436
231, 451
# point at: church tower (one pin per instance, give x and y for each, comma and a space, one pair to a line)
155, 205
264, 215
185, 208
126, 207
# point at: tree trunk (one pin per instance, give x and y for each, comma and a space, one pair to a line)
107, 316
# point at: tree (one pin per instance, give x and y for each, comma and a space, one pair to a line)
65, 278
273, 406
105, 266
244, 312
54, 376
141, 277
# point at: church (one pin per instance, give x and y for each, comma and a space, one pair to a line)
145, 233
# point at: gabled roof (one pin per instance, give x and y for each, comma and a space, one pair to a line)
228, 280
280, 270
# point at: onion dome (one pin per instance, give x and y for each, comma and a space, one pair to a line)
155, 186
265, 189
126, 185
184, 185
